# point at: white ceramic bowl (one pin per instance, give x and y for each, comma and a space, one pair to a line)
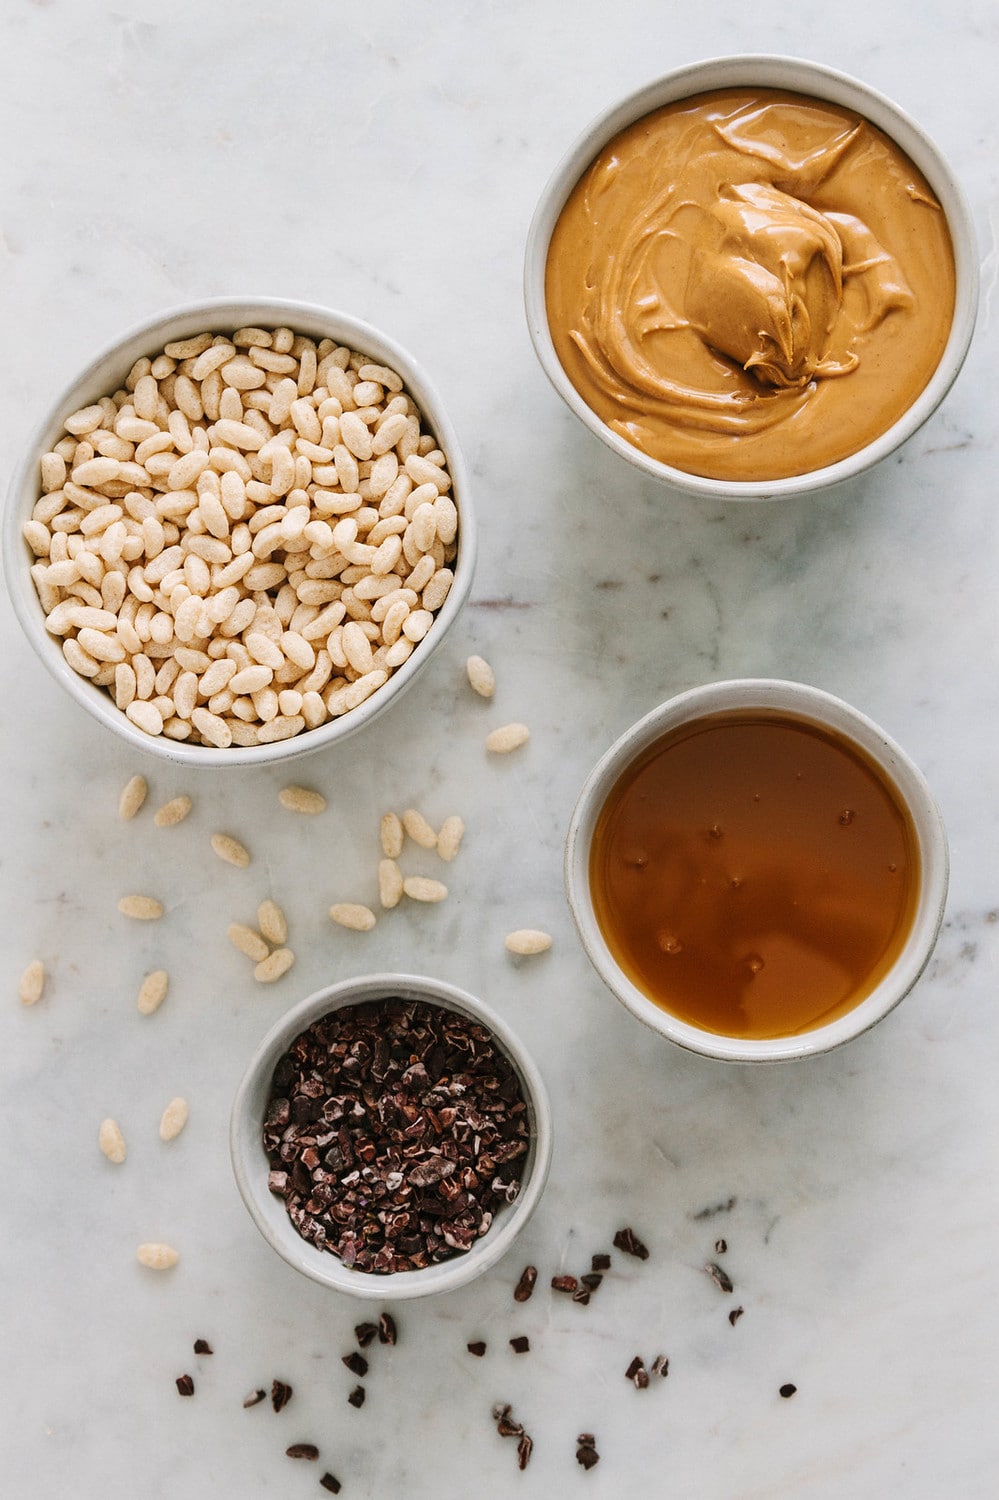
251, 1165
794, 75
806, 703
105, 373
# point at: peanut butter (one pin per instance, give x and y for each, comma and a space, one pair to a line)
748, 284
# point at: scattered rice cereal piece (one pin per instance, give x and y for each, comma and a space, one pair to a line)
174, 1119
422, 888
480, 676
419, 829
389, 883
353, 915
141, 908
508, 737
172, 812
449, 838
392, 835
152, 992
231, 850
528, 940
111, 1141
32, 983
247, 941
301, 799
132, 797
156, 1256
272, 922
275, 966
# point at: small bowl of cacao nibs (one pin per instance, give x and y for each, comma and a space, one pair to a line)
391, 1137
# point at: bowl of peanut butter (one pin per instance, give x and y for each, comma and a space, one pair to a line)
752, 278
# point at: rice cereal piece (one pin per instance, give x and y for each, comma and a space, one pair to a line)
152, 992
173, 1119
272, 922
449, 837
509, 737
141, 908
157, 1257
172, 812
247, 941
527, 940
230, 850
132, 797
389, 883
273, 967
111, 1141
392, 835
422, 888
480, 676
301, 799
32, 983
419, 829
353, 915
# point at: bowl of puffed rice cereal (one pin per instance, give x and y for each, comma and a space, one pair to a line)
241, 532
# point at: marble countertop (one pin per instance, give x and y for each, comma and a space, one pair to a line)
386, 160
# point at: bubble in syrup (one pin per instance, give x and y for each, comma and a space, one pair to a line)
669, 943
736, 882
716, 831
847, 816
636, 859
892, 869
754, 963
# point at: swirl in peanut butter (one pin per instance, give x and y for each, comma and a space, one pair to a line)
750, 285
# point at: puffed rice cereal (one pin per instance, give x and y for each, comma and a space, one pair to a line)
245, 539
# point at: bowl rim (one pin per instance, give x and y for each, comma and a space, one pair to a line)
101, 374
249, 1163
816, 706
795, 75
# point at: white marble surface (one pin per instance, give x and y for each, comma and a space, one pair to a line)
385, 159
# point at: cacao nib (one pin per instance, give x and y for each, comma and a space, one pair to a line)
586, 1451
202, 1346
255, 1398
387, 1331
628, 1241
356, 1363
720, 1277
281, 1394
600, 1262
788, 1390
525, 1286
185, 1385
524, 1449
521, 1344
735, 1315
356, 1397
303, 1450
477, 1347
331, 1483
564, 1284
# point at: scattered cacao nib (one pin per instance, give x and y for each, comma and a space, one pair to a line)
591, 1280
331, 1483
637, 1373
524, 1449
582, 1296
506, 1426
788, 1390
255, 1398
660, 1366
202, 1346
303, 1450
478, 1348
721, 1246
365, 1333
735, 1315
281, 1394
356, 1363
724, 1207
395, 1130
185, 1385
601, 1262
586, 1452
387, 1331
564, 1284
720, 1277
628, 1241
525, 1286
521, 1344
356, 1397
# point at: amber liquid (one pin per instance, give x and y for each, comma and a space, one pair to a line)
754, 874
